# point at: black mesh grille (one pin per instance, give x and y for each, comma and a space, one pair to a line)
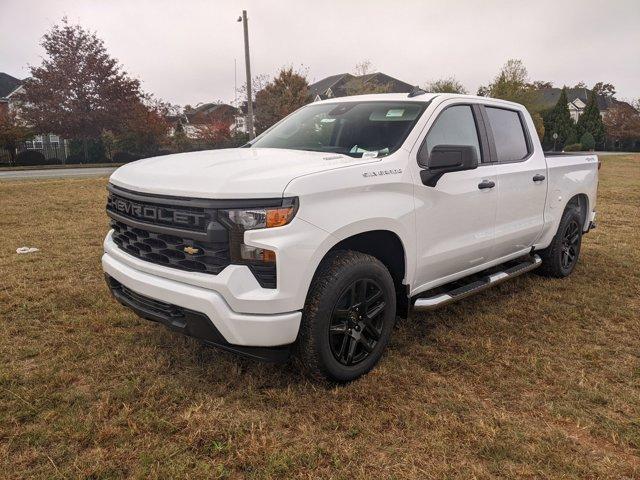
169, 250
193, 239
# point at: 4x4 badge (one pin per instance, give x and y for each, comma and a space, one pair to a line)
191, 250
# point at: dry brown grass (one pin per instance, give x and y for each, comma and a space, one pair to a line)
537, 378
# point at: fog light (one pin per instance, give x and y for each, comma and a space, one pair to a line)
248, 252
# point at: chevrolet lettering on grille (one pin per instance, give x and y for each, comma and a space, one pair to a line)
154, 213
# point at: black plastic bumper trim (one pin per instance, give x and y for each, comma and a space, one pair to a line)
191, 323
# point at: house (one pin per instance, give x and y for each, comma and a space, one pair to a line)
340, 85
207, 116
8, 87
577, 98
241, 117
50, 145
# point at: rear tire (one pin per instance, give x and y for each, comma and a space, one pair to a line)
348, 317
561, 256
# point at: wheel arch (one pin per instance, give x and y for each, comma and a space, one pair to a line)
386, 246
581, 201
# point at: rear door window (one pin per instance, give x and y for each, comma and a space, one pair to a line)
508, 134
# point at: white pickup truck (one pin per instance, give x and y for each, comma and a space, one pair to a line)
348, 213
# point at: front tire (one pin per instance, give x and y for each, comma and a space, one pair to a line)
348, 317
561, 256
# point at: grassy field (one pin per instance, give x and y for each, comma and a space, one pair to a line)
57, 167
536, 378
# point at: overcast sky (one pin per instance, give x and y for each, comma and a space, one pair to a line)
184, 51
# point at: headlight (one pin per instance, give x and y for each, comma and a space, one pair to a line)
241, 219
268, 217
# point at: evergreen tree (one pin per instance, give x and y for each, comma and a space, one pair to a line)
558, 120
285, 93
587, 141
590, 121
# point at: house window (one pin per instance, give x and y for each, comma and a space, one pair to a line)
54, 140
37, 142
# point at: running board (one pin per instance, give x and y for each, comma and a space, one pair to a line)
436, 301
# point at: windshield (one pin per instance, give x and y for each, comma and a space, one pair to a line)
358, 129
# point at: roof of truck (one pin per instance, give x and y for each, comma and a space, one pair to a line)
404, 97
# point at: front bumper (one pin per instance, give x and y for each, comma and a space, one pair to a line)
188, 322
236, 329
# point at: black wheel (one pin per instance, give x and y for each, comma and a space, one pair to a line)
560, 258
348, 317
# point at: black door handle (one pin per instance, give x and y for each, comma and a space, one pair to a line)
538, 178
486, 184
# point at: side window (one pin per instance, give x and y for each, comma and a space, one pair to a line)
508, 134
454, 126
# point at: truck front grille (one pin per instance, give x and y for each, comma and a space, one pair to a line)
179, 233
170, 250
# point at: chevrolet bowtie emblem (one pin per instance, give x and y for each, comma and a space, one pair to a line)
191, 250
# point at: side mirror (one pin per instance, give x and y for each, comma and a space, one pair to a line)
447, 158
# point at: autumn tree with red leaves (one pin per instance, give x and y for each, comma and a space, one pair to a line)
145, 128
13, 131
622, 125
212, 134
79, 90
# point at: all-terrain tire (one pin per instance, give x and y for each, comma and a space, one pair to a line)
554, 257
338, 276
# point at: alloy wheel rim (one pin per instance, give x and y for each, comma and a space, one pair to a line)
357, 322
570, 242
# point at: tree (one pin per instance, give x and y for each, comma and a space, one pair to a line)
79, 90
362, 84
446, 85
541, 85
359, 86
364, 67
512, 83
559, 121
212, 135
287, 92
587, 141
606, 89
145, 128
13, 131
622, 124
258, 82
590, 121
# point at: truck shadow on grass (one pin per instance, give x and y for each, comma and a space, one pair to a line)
432, 341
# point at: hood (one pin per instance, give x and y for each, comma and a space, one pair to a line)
229, 173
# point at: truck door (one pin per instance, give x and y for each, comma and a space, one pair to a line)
521, 186
455, 218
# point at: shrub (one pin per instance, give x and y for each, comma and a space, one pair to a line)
30, 157
75, 159
125, 157
587, 141
95, 151
573, 147
161, 152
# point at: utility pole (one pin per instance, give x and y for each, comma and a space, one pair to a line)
247, 63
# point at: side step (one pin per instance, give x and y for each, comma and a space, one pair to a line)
429, 303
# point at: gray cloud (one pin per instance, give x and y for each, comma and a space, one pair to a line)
184, 51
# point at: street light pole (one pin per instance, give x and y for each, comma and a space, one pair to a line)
247, 63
